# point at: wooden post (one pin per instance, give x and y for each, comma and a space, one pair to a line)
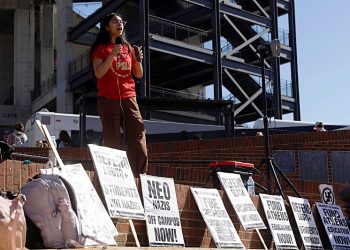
261, 239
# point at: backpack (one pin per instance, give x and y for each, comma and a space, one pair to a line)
5, 151
49, 207
12, 223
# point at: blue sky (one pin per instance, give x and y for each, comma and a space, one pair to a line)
323, 43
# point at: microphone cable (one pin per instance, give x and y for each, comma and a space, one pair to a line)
119, 41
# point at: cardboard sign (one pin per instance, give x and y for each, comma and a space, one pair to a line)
162, 213
327, 194
96, 224
216, 218
305, 222
117, 183
335, 224
241, 201
277, 218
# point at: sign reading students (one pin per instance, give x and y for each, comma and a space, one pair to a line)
163, 219
117, 182
277, 218
335, 224
306, 223
215, 216
241, 201
95, 222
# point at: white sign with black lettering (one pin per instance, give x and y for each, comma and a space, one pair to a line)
306, 223
162, 213
216, 217
277, 218
117, 183
241, 201
95, 222
335, 224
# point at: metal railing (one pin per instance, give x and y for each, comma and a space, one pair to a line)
79, 63
45, 87
177, 31
231, 1
287, 88
171, 93
283, 34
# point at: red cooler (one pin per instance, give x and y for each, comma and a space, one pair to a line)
237, 167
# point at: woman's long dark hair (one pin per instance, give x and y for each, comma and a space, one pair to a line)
103, 36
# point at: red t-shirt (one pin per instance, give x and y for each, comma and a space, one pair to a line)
107, 85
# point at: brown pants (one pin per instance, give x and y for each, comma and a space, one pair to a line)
113, 117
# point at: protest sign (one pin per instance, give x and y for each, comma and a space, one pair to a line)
306, 223
278, 221
241, 201
162, 213
335, 225
327, 194
95, 222
216, 218
117, 183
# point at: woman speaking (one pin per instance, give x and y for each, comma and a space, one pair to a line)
114, 63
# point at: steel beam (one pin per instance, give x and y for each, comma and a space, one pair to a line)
294, 62
93, 19
180, 49
283, 4
244, 68
203, 3
276, 63
246, 16
243, 37
250, 100
261, 9
217, 51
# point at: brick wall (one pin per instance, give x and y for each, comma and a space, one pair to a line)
187, 163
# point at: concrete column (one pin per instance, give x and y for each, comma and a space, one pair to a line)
46, 41
64, 49
6, 57
23, 58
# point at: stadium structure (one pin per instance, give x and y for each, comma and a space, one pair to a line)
195, 51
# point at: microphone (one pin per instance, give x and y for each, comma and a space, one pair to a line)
118, 41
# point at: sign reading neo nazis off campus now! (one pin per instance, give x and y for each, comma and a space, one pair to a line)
335, 224
278, 221
117, 182
162, 213
216, 218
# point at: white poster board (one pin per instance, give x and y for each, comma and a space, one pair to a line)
216, 218
335, 224
241, 201
306, 223
96, 224
117, 183
162, 212
278, 221
327, 194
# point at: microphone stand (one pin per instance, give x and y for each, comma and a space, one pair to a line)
272, 167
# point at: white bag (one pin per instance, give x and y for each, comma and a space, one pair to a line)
12, 223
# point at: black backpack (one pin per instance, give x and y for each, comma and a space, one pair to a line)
5, 151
